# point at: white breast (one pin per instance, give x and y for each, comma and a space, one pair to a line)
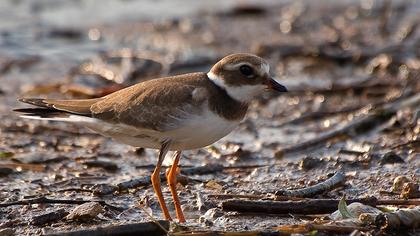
200, 131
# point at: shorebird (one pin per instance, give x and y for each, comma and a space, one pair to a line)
177, 113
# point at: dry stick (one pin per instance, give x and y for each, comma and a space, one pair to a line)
359, 125
226, 233
230, 196
397, 202
306, 228
24, 166
411, 143
148, 228
402, 218
306, 207
337, 179
49, 217
44, 200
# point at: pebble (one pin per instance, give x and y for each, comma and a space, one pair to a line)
410, 190
308, 163
4, 171
391, 158
399, 181
85, 211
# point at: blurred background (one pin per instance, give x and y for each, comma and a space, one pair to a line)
352, 68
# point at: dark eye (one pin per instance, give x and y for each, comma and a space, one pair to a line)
246, 70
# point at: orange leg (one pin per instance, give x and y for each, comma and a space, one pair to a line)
171, 177
156, 180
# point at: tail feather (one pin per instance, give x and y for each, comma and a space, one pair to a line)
63, 110
41, 112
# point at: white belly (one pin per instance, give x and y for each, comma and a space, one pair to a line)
195, 132
200, 131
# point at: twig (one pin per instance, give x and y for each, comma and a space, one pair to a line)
24, 166
45, 200
402, 218
148, 228
350, 152
230, 196
306, 228
411, 143
306, 207
309, 206
203, 170
49, 217
360, 125
225, 233
397, 202
73, 189
337, 179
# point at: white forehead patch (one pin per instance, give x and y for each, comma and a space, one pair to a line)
242, 93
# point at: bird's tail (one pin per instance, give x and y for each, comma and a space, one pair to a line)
58, 110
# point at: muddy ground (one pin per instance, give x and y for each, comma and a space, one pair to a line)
352, 69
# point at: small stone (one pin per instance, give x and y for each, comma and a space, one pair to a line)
308, 163
279, 154
85, 211
4, 171
140, 151
410, 190
399, 181
214, 185
103, 189
391, 158
213, 213
206, 222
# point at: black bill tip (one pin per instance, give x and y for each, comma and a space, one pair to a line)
273, 84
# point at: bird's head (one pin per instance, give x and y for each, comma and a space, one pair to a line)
244, 76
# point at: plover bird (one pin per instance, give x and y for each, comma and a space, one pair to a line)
175, 113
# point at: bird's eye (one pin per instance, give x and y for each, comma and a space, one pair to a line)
246, 70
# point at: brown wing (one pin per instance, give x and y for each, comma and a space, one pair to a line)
160, 104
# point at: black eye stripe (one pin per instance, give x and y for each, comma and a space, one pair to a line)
246, 70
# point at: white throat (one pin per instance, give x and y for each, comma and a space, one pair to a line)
242, 93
